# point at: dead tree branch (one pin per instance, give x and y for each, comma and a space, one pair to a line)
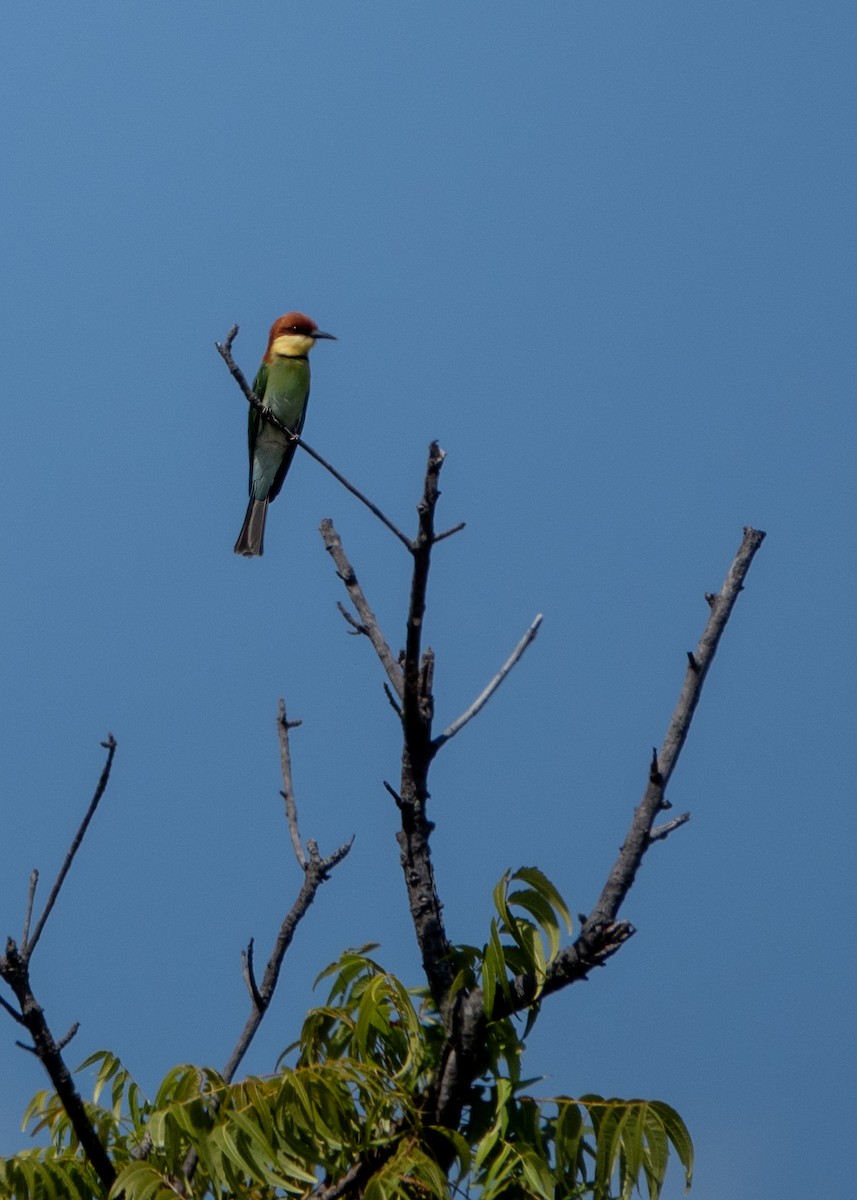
368, 622
638, 839
482, 699
602, 934
316, 871
15, 972
29, 946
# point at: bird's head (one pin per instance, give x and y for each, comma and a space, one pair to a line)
293, 336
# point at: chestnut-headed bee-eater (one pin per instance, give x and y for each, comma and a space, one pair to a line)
282, 384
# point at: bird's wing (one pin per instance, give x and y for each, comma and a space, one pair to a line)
254, 421
289, 452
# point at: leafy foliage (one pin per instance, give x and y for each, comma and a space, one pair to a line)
356, 1089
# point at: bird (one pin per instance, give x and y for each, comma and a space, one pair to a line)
282, 384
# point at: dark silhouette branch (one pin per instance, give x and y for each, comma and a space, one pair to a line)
602, 935
31, 899
316, 871
29, 946
250, 975
638, 839
411, 677
482, 699
288, 792
15, 972
224, 349
414, 835
368, 622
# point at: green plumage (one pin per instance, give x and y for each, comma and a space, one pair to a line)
283, 386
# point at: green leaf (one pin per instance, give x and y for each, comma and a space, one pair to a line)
540, 882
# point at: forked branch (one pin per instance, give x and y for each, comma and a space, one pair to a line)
316, 870
15, 972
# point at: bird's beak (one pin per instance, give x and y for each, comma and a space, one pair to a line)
318, 334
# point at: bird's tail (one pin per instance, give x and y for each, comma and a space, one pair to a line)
252, 535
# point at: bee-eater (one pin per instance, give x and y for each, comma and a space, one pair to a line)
282, 384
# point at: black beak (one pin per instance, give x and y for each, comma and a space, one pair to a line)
318, 334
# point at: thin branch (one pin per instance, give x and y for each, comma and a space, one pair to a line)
439, 537
660, 832
224, 349
333, 1191
13, 1013
31, 899
356, 627
333, 545
288, 792
110, 746
482, 699
316, 871
394, 704
638, 839
14, 969
392, 791
250, 976
64, 1041
602, 935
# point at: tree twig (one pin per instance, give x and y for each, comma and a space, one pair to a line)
483, 698
31, 899
602, 935
250, 976
14, 969
316, 870
638, 839
288, 792
224, 349
110, 746
660, 832
369, 623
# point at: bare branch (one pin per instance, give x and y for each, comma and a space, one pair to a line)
417, 715
481, 700
638, 839
13, 1013
660, 832
249, 975
110, 746
394, 704
601, 935
439, 537
315, 874
31, 899
224, 349
14, 969
64, 1041
333, 545
392, 791
316, 871
288, 793
356, 627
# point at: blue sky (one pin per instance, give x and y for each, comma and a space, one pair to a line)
605, 254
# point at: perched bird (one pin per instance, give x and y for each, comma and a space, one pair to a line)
282, 384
